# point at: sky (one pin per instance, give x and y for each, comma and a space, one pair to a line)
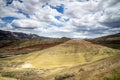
61, 18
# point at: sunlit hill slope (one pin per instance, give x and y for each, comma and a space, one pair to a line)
68, 60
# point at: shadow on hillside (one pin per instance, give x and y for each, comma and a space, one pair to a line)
110, 44
112, 41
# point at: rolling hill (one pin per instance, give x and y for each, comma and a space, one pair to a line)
112, 41
68, 54
53, 60
16, 43
104, 69
68, 60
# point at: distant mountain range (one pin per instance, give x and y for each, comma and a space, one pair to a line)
8, 35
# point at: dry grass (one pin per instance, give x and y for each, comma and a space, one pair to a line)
68, 54
64, 56
6, 78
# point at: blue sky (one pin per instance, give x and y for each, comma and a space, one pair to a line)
58, 18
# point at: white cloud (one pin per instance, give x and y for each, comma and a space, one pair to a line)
25, 23
1, 22
86, 18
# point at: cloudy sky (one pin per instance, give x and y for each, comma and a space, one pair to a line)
58, 18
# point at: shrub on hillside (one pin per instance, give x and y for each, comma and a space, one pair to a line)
113, 77
65, 38
64, 76
22, 75
81, 70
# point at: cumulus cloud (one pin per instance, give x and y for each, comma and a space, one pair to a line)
25, 24
57, 18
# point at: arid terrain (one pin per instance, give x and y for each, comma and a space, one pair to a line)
60, 59
59, 39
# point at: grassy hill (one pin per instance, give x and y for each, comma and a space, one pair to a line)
51, 62
60, 59
67, 54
